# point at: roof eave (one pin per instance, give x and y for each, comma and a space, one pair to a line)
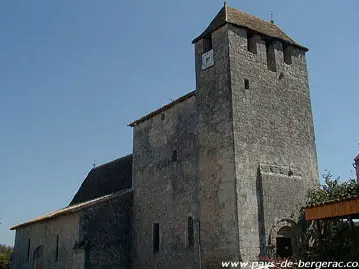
319, 204
207, 32
75, 208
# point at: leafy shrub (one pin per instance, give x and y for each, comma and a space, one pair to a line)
5, 256
332, 239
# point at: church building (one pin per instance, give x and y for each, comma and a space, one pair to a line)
219, 174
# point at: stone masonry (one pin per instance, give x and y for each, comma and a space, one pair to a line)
219, 174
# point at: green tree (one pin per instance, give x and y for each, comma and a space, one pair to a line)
332, 239
333, 189
5, 256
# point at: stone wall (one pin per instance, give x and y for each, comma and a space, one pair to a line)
44, 234
217, 196
165, 187
106, 234
273, 125
254, 115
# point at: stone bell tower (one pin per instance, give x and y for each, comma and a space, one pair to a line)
257, 155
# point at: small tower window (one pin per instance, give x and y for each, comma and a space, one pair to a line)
207, 43
287, 53
57, 249
251, 43
174, 156
156, 237
190, 230
271, 56
28, 250
246, 84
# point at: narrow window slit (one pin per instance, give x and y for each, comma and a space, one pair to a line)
251, 43
190, 231
156, 237
57, 248
174, 156
28, 250
287, 53
207, 43
246, 84
271, 56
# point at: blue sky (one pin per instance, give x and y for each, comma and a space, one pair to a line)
73, 74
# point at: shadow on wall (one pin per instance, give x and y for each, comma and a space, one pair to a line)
261, 224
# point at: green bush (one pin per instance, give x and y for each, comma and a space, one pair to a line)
332, 239
333, 189
5, 256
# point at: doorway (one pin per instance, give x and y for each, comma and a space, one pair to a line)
284, 247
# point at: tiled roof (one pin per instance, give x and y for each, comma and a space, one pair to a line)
105, 179
161, 109
75, 208
239, 18
352, 197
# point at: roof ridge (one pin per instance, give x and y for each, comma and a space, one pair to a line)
239, 18
109, 162
250, 15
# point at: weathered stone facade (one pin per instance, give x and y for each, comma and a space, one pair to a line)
273, 137
42, 236
165, 186
219, 174
106, 230
218, 198
93, 234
